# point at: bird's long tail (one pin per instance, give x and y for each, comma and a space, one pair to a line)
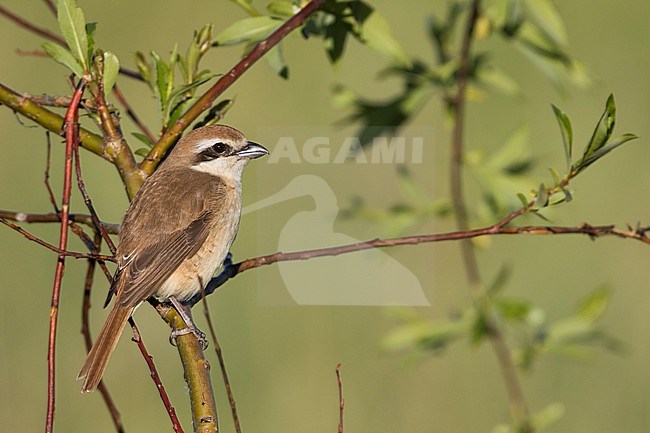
97, 359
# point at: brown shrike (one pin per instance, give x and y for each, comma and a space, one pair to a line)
176, 232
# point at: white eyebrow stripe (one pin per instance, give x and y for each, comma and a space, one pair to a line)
205, 143
209, 142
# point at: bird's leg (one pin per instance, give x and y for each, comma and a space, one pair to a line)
191, 327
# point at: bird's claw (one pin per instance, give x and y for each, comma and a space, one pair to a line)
194, 330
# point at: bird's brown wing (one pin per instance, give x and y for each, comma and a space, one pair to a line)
150, 267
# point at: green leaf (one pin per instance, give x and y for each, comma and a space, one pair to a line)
143, 138
247, 6
523, 199
90, 34
335, 37
555, 174
63, 56
176, 111
513, 310
200, 44
111, 70
499, 80
548, 416
374, 31
594, 305
275, 59
143, 152
143, 66
246, 30
603, 130
165, 80
548, 20
216, 113
73, 27
283, 8
423, 335
478, 330
567, 133
500, 280
541, 200
605, 150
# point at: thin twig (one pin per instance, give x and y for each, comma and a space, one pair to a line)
222, 363
129, 111
31, 27
50, 4
204, 103
22, 22
32, 53
501, 350
50, 193
51, 217
156, 378
89, 205
232, 270
51, 247
72, 135
85, 331
339, 383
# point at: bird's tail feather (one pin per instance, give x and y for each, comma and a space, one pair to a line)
97, 359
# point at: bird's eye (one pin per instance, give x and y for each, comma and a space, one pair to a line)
219, 148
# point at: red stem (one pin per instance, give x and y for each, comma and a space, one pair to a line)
156, 378
71, 136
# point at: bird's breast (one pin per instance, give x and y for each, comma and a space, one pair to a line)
196, 271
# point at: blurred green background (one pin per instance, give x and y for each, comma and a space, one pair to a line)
281, 356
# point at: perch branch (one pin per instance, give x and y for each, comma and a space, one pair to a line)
222, 364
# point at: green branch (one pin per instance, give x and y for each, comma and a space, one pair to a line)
48, 119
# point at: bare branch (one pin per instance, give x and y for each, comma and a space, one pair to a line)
97, 224
129, 111
231, 270
156, 378
22, 22
31, 27
51, 247
85, 331
51, 217
339, 383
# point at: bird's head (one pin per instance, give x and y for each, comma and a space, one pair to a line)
217, 150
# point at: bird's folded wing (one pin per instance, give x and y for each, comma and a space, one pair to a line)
155, 263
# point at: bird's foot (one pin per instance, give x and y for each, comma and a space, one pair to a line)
189, 330
190, 326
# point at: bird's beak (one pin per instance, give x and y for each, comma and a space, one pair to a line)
252, 151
